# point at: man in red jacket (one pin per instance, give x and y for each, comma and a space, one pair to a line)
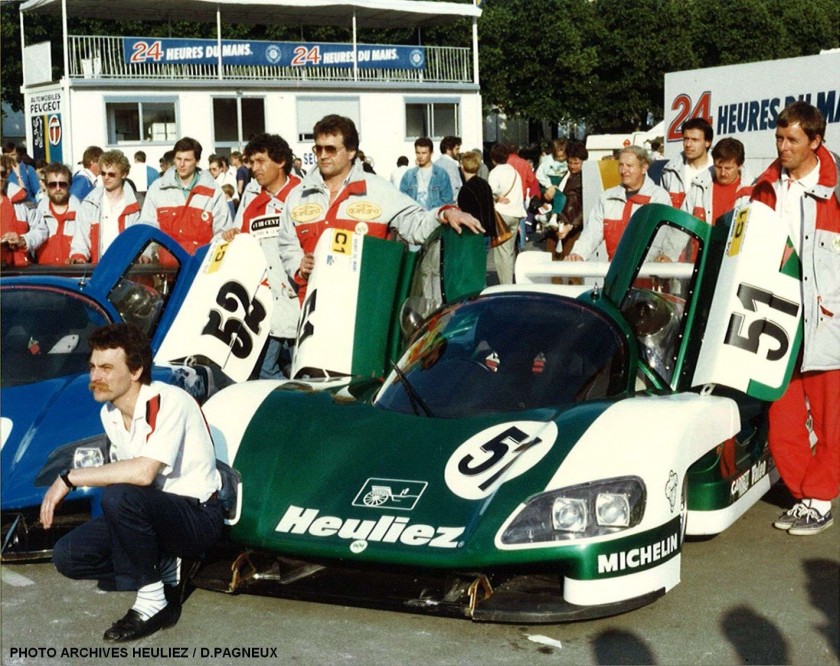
803, 187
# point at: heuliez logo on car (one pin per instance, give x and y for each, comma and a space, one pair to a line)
398, 494
386, 529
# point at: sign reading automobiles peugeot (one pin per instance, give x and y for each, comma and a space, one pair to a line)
143, 50
45, 114
753, 331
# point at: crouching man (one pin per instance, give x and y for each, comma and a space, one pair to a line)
159, 500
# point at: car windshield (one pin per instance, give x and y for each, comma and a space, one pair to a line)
507, 352
44, 334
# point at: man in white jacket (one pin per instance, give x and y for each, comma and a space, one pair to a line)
616, 206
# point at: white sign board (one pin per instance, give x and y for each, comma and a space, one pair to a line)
743, 101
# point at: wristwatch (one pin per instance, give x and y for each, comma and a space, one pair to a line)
65, 476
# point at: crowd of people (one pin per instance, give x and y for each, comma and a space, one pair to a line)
288, 209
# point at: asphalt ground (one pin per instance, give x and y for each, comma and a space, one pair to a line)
752, 595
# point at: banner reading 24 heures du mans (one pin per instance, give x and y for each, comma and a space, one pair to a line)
144, 50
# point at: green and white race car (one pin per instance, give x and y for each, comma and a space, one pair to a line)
527, 456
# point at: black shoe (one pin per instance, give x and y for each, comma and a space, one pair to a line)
132, 626
172, 593
177, 594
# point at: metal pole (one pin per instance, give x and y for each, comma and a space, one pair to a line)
66, 106
355, 50
475, 50
219, 41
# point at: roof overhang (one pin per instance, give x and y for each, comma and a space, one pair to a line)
368, 13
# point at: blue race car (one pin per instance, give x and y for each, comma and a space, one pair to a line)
49, 420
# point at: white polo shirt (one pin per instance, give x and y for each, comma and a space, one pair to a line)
168, 426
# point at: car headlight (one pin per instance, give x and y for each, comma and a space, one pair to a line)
88, 452
569, 514
578, 512
88, 456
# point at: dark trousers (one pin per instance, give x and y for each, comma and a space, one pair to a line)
139, 525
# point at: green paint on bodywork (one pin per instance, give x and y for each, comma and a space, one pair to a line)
322, 464
387, 273
377, 300
464, 268
709, 489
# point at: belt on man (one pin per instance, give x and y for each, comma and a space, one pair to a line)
195, 500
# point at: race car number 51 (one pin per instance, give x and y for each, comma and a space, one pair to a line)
496, 455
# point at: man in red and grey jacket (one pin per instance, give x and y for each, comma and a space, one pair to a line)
186, 202
726, 187
678, 173
803, 187
105, 212
339, 193
259, 214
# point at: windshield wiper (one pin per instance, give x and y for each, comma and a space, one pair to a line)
417, 402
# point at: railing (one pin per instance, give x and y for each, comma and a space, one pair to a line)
94, 57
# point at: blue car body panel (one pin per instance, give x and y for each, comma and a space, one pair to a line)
41, 417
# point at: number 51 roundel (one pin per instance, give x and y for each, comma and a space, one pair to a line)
226, 315
753, 334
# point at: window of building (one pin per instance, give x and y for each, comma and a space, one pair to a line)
432, 118
235, 121
311, 109
141, 121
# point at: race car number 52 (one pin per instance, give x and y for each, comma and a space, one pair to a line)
235, 332
751, 297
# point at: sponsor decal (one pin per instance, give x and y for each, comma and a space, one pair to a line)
265, 226
217, 257
739, 228
363, 210
341, 242
747, 480
306, 212
400, 494
636, 558
273, 54
356, 253
503, 452
671, 489
54, 130
417, 57
361, 228
386, 529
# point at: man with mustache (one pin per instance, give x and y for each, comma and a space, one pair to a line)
59, 210
160, 488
